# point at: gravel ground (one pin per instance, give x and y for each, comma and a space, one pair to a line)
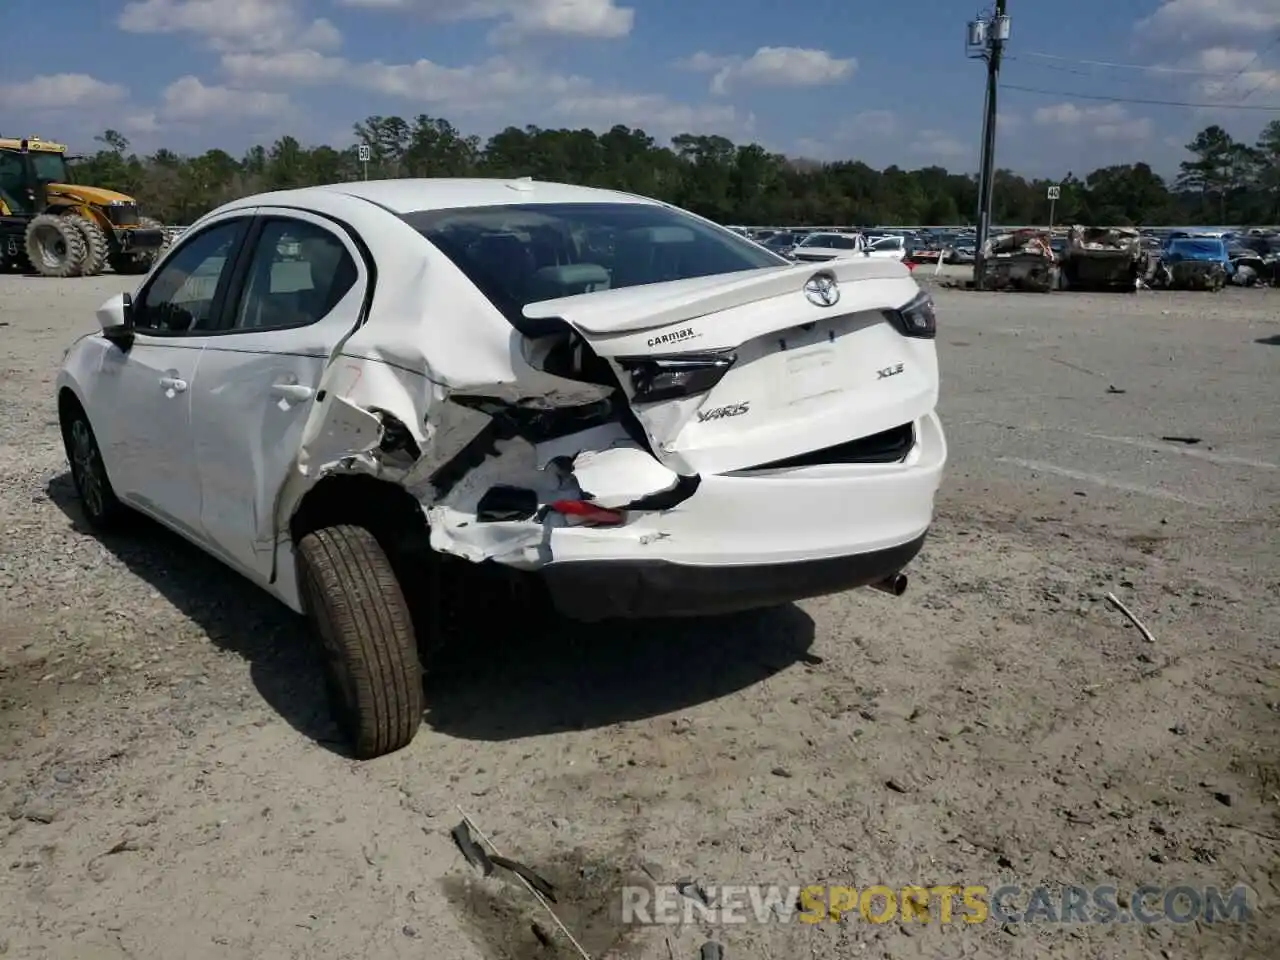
172, 787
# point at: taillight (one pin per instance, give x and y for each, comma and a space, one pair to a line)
917, 318
668, 378
586, 514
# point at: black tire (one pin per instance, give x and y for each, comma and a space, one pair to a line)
55, 246
102, 509
366, 637
96, 245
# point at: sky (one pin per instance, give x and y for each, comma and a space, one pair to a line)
886, 83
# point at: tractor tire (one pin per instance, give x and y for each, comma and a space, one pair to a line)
365, 631
96, 245
55, 246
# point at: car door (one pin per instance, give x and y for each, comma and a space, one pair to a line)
142, 399
297, 295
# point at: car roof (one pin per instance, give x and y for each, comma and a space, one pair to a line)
410, 195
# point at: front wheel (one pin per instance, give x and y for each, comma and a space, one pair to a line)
365, 631
89, 474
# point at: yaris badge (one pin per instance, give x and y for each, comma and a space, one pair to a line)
822, 290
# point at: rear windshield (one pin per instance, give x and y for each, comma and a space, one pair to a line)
525, 253
832, 241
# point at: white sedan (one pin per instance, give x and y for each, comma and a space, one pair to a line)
321, 387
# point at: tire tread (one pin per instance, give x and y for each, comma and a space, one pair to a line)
362, 599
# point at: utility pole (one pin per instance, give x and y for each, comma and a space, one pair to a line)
986, 38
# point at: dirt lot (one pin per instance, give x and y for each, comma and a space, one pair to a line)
172, 787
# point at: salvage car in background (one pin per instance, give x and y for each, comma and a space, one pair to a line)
324, 388
1193, 263
822, 247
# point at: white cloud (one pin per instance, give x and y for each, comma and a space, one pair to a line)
1240, 73
772, 67
652, 112
189, 99
59, 91
231, 25
1201, 23
1109, 121
940, 145
493, 84
868, 124
521, 19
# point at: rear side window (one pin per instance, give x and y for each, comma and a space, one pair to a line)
298, 274
525, 253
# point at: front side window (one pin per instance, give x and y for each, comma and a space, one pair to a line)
49, 167
180, 297
526, 253
298, 274
13, 185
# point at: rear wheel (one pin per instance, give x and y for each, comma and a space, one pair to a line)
365, 632
55, 246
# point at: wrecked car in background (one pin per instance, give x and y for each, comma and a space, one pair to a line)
1021, 260
329, 389
1104, 258
1255, 260
1193, 263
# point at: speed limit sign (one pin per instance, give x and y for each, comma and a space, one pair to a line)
362, 153
1055, 193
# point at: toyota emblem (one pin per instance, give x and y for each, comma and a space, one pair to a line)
822, 290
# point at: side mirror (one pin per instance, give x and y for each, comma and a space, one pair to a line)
115, 317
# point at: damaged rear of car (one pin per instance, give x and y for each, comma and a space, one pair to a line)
698, 427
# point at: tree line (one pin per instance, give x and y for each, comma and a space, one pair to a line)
1225, 181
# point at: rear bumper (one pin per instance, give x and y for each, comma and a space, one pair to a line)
636, 589
749, 540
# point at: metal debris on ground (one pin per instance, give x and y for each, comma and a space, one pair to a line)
468, 826
542, 885
470, 850
693, 890
1115, 602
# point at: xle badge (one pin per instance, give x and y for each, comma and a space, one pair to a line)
719, 413
889, 372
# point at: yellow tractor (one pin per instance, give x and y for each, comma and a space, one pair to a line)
65, 230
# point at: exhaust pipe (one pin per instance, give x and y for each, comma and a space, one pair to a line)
895, 585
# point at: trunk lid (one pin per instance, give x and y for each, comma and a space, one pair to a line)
803, 375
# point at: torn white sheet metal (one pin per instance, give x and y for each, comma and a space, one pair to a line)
342, 430
622, 475
518, 543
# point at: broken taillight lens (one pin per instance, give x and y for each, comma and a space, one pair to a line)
917, 319
669, 378
587, 514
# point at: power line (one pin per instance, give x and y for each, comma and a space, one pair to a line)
1266, 77
1148, 68
1272, 108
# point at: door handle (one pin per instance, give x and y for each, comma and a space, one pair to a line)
173, 385
293, 392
